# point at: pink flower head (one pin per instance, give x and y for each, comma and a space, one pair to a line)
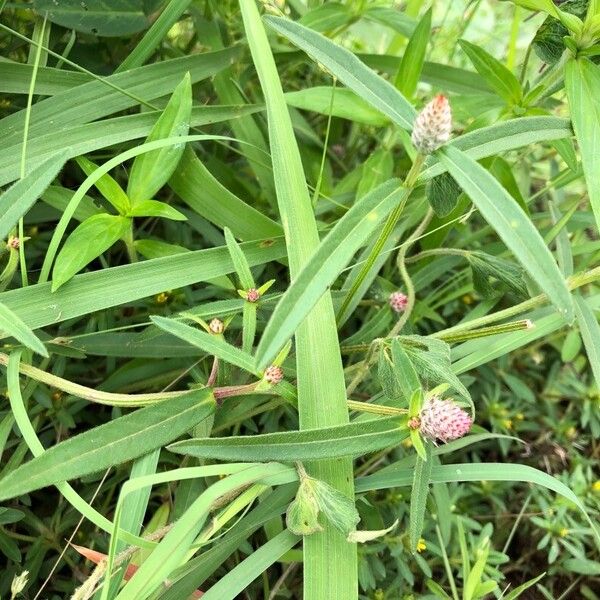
398, 301
433, 125
444, 420
273, 375
253, 295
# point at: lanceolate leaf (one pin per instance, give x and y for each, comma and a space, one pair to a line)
512, 225
150, 171
89, 240
355, 439
499, 78
409, 72
110, 444
332, 255
418, 497
582, 82
349, 69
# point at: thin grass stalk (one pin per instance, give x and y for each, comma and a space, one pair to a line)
330, 562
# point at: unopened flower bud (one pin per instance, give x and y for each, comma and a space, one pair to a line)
433, 126
398, 301
18, 583
273, 375
216, 326
253, 295
14, 243
444, 420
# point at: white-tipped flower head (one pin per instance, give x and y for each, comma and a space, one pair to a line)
398, 301
443, 420
216, 326
433, 126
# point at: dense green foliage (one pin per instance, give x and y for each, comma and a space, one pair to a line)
246, 254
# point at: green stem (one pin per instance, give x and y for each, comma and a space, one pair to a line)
410, 288
387, 230
129, 243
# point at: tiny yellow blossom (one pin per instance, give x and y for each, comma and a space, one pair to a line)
596, 486
519, 416
507, 423
421, 545
564, 532
407, 443
467, 299
162, 298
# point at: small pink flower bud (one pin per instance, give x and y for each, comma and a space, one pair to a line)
14, 243
433, 126
444, 420
216, 326
398, 301
273, 375
253, 295
414, 423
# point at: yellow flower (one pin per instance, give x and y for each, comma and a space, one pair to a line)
519, 416
421, 545
467, 299
407, 443
162, 298
507, 423
596, 486
564, 532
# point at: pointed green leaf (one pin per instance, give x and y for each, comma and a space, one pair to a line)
349, 69
19, 198
150, 171
88, 241
106, 185
582, 83
354, 439
418, 497
154, 208
206, 342
512, 225
498, 77
411, 65
11, 325
590, 332
239, 260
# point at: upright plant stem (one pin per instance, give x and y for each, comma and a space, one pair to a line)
387, 230
330, 562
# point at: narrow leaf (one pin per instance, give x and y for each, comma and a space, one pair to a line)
349, 69
418, 497
10, 324
150, 171
582, 83
512, 225
18, 199
88, 241
354, 439
206, 342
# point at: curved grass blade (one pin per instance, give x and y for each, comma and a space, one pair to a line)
18, 199
331, 256
349, 69
11, 325
512, 225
